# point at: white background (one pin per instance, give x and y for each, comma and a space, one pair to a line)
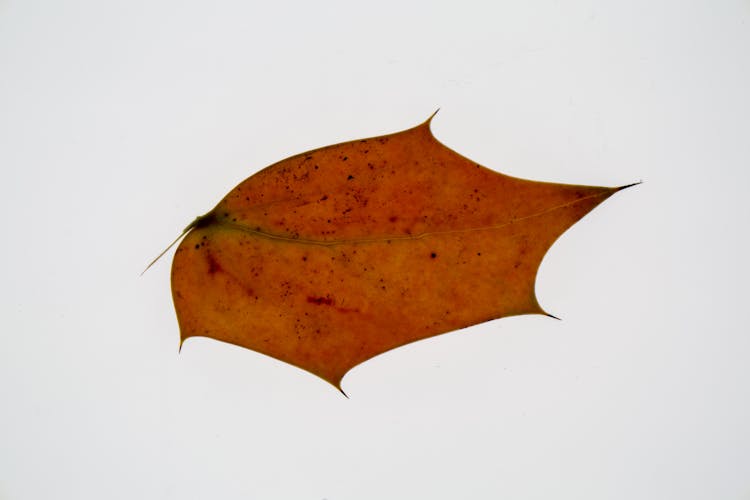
122, 121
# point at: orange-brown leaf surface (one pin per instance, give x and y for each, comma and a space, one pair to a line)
333, 256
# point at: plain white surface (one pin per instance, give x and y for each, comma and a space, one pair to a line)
122, 121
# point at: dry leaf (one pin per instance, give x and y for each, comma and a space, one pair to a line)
333, 256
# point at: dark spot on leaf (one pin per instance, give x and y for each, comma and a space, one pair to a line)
433, 255
205, 220
320, 300
213, 265
350, 177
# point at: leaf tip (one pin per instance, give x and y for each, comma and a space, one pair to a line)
628, 185
428, 121
337, 385
425, 126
